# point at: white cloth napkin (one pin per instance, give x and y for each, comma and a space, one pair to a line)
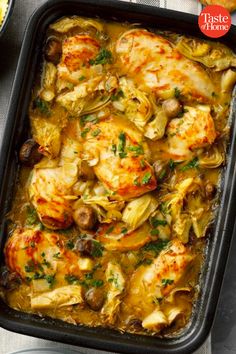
10, 46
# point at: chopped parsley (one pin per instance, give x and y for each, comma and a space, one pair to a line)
177, 92
117, 95
30, 267
71, 279
104, 57
81, 78
70, 245
142, 163
138, 150
156, 246
114, 148
57, 255
97, 249
124, 230
192, 164
121, 145
31, 216
172, 164
154, 232
157, 222
84, 132
42, 106
110, 229
97, 283
146, 178
96, 132
136, 182
166, 282
50, 279
88, 119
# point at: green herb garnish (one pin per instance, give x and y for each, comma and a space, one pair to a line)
157, 222
156, 246
146, 178
42, 106
71, 279
104, 57
96, 132
97, 283
177, 92
117, 95
166, 282
97, 249
192, 164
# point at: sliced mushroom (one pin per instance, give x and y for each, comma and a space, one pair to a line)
95, 298
85, 217
29, 153
86, 172
172, 107
53, 50
84, 246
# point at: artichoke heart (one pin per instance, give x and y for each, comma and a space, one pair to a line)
134, 103
138, 210
116, 282
64, 296
68, 23
212, 55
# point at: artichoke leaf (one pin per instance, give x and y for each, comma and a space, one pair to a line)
68, 23
213, 55
134, 103
214, 158
155, 130
139, 210
155, 321
60, 297
48, 82
116, 281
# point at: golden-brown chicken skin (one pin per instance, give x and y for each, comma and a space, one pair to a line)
154, 64
121, 157
30, 251
158, 279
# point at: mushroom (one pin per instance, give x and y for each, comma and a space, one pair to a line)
53, 50
210, 190
172, 107
9, 280
85, 217
29, 153
84, 246
86, 172
95, 298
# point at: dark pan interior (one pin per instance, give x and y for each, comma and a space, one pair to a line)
15, 133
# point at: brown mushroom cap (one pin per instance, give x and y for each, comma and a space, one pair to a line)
29, 153
85, 217
172, 107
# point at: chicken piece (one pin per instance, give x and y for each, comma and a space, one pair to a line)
121, 157
154, 63
36, 254
50, 192
77, 51
116, 288
60, 297
193, 131
157, 280
51, 186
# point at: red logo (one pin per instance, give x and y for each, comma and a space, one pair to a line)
214, 21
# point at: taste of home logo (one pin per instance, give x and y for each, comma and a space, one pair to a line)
214, 21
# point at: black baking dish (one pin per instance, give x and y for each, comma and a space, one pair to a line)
17, 123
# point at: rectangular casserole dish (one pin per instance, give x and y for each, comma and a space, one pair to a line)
15, 133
